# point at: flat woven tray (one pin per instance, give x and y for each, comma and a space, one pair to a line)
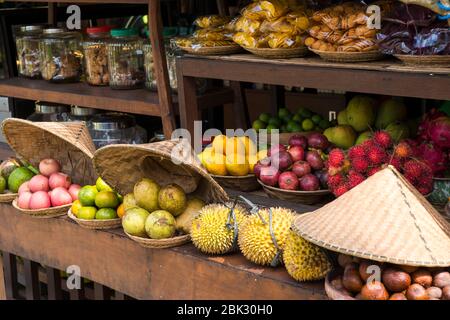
8, 197
304, 197
210, 51
435, 60
44, 213
96, 224
280, 53
245, 183
161, 243
348, 56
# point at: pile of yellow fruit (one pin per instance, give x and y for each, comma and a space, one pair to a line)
231, 156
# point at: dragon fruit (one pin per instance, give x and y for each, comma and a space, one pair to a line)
423, 131
434, 156
439, 132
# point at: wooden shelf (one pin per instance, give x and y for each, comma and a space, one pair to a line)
386, 77
87, 1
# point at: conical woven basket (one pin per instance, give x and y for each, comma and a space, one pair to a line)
383, 219
121, 166
70, 143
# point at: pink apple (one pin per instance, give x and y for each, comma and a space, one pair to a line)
73, 190
38, 183
24, 188
49, 166
40, 200
24, 200
60, 197
59, 180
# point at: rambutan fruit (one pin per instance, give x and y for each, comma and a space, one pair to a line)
403, 150
336, 158
413, 168
336, 180
397, 163
355, 178
368, 144
341, 189
373, 171
360, 164
356, 152
383, 139
376, 155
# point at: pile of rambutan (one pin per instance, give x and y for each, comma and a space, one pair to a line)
348, 169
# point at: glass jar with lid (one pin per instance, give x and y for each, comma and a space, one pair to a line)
115, 128
81, 114
50, 112
28, 57
96, 56
61, 55
126, 59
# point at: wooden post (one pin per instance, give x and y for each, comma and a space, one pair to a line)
277, 99
10, 275
31, 270
222, 7
52, 18
240, 109
101, 292
2, 282
160, 63
54, 284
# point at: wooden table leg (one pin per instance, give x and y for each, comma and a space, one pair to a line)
10, 276
54, 284
277, 99
101, 292
32, 284
2, 282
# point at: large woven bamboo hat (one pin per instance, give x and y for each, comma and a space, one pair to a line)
68, 142
383, 219
173, 161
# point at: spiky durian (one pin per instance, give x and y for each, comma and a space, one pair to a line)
303, 260
209, 230
255, 240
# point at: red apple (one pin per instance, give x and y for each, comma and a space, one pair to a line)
298, 140
318, 141
275, 149
288, 181
309, 182
301, 168
269, 176
281, 160
315, 160
297, 153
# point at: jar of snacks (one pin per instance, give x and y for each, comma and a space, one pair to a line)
61, 56
96, 56
126, 59
50, 112
28, 58
150, 74
81, 114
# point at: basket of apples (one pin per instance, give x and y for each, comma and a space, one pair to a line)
296, 172
48, 194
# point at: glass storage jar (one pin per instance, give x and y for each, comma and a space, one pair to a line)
115, 128
50, 112
28, 57
61, 56
95, 56
81, 113
126, 59
150, 74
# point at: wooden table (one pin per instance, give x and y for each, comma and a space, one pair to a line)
113, 260
387, 77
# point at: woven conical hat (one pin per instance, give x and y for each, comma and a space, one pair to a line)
383, 219
121, 166
68, 142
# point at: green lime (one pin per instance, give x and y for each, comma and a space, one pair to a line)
102, 185
275, 122
2, 184
305, 113
106, 214
297, 118
308, 125
316, 118
18, 177
324, 124
296, 127
258, 125
264, 117
283, 113
107, 199
87, 195
271, 127
87, 213
287, 118
120, 197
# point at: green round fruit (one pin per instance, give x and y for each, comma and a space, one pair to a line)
146, 194
366, 135
129, 201
275, 121
295, 127
134, 222
283, 113
172, 198
87, 195
390, 111
398, 131
87, 213
102, 185
264, 117
297, 118
160, 224
270, 128
342, 118
106, 214
107, 199
259, 125
316, 118
324, 124
305, 113
18, 177
307, 125
343, 137
361, 113
2, 184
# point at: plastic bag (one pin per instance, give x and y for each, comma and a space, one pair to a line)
250, 40
247, 25
280, 25
299, 19
212, 34
211, 21
360, 45
265, 10
284, 40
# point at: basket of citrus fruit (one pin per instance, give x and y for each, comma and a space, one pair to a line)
231, 160
98, 207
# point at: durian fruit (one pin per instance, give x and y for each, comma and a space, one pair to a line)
303, 260
209, 231
255, 241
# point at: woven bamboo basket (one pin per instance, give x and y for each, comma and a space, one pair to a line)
172, 161
210, 51
279, 53
43, 213
161, 243
383, 219
303, 197
70, 143
245, 183
8, 197
434, 60
96, 224
332, 292
348, 56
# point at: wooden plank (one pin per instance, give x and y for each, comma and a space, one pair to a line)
114, 260
32, 285
188, 106
101, 292
312, 75
2, 282
53, 280
10, 276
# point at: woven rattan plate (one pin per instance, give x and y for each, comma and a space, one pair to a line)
348, 56
210, 51
279, 53
43, 213
161, 243
96, 224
